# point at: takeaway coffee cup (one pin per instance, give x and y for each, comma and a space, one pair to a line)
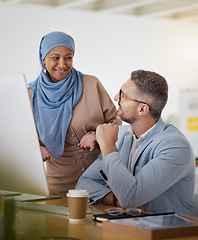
77, 204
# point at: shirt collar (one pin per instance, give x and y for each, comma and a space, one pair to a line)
144, 135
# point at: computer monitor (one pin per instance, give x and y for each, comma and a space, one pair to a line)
21, 165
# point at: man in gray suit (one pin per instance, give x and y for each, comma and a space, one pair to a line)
146, 164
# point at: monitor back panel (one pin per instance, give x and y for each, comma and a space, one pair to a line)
21, 165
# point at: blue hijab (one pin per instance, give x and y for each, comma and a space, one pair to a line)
53, 102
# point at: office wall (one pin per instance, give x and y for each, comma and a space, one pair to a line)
108, 46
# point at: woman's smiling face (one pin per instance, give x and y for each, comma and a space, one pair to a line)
58, 63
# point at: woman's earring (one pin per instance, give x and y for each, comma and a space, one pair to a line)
44, 69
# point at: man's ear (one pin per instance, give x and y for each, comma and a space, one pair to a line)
43, 62
144, 109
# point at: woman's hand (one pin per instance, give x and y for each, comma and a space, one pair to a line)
45, 153
88, 141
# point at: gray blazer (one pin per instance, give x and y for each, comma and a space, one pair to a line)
162, 175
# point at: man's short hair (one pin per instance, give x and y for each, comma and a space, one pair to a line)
153, 89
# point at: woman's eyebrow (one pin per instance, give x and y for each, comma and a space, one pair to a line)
59, 54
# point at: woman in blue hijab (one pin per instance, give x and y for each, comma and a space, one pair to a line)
67, 107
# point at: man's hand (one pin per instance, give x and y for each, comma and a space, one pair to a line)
88, 141
108, 199
106, 136
144, 208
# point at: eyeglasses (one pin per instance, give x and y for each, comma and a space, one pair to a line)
121, 95
118, 211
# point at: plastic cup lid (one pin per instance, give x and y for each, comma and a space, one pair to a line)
77, 193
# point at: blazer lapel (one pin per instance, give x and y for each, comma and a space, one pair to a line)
159, 127
126, 148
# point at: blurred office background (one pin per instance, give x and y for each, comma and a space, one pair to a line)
113, 38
